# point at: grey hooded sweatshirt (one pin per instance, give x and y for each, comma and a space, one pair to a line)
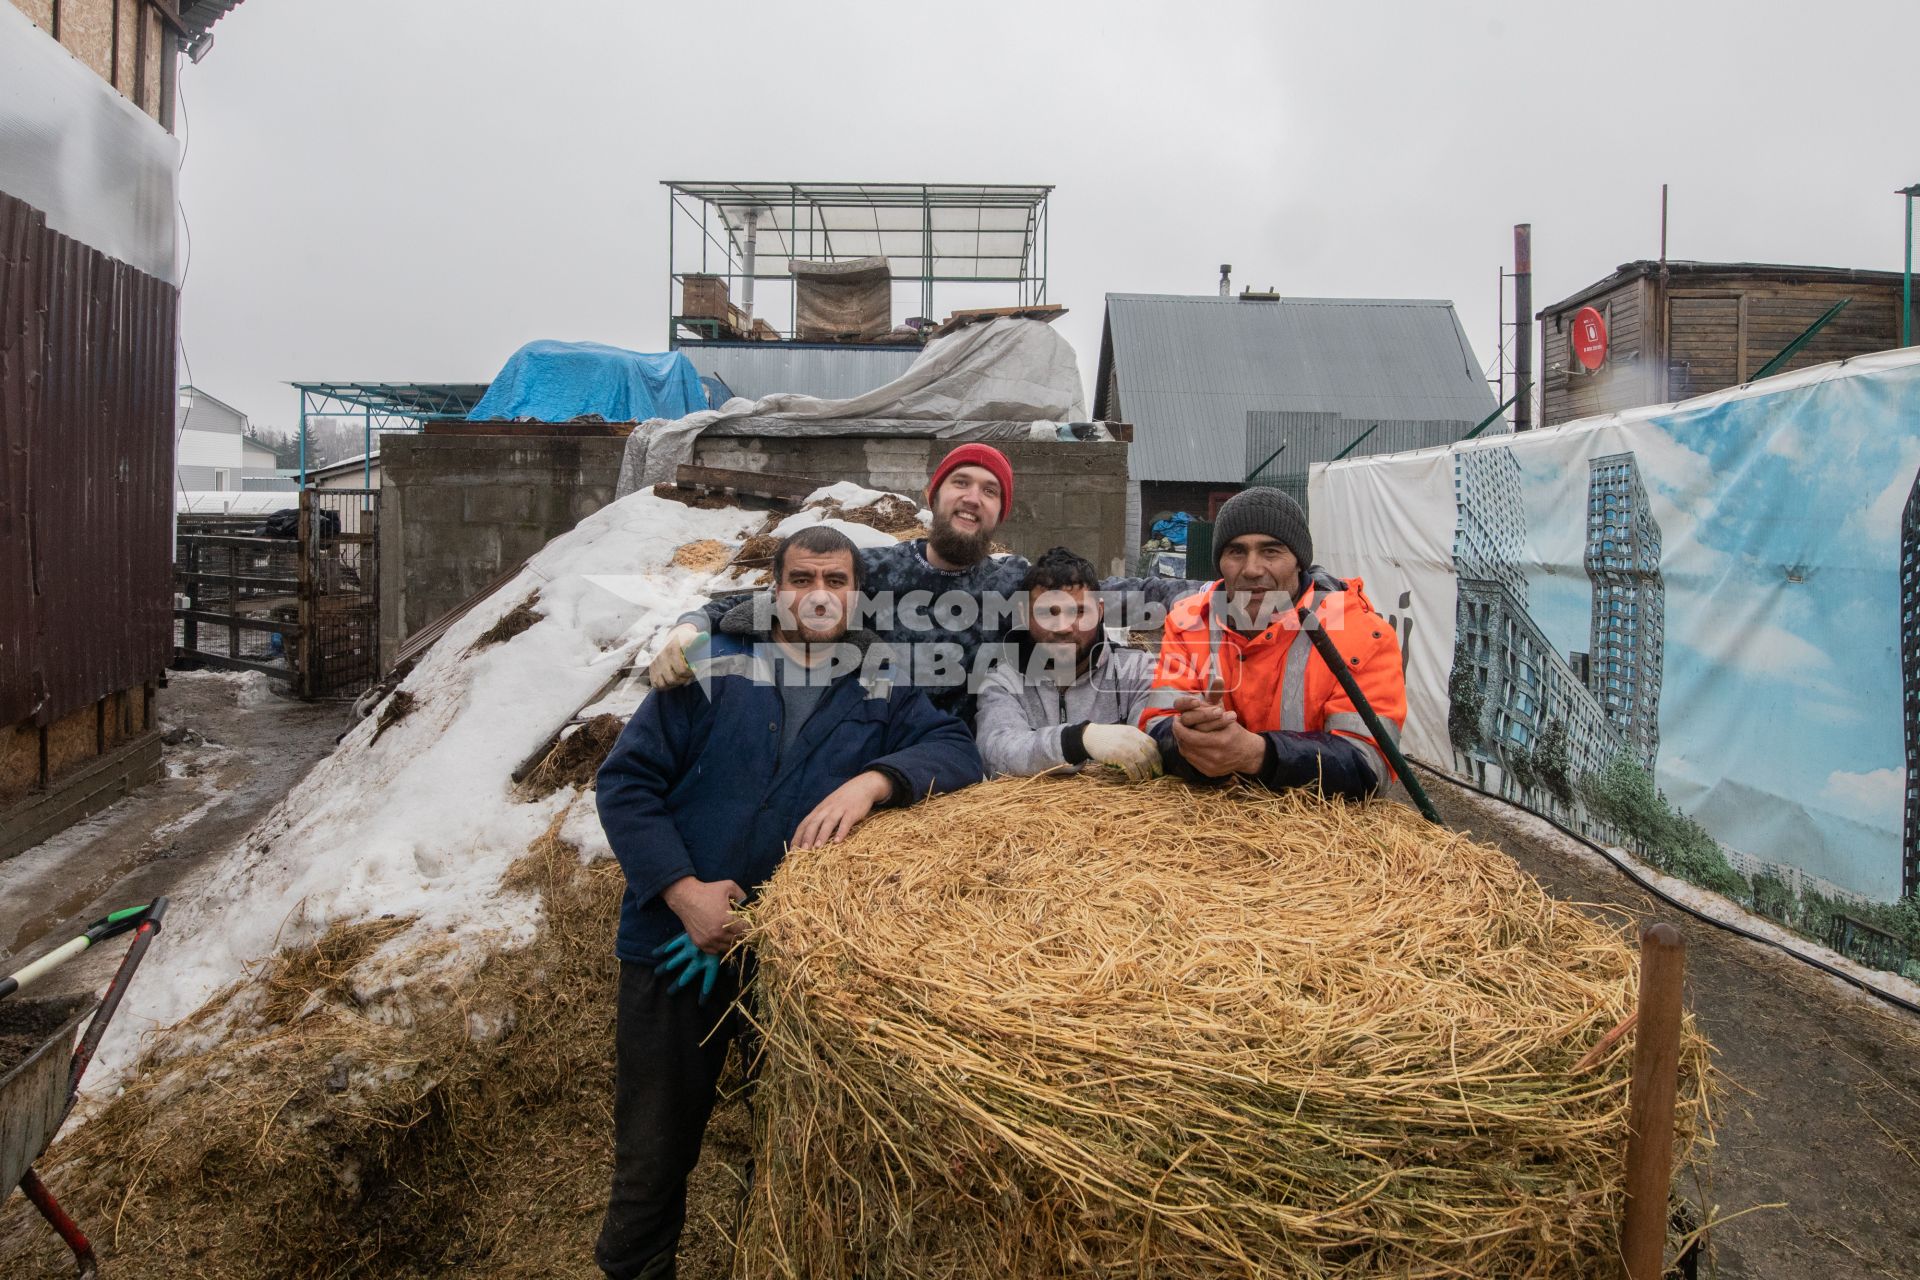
1026, 726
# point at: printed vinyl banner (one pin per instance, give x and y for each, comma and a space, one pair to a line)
1712, 606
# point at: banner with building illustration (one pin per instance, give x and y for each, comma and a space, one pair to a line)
1694, 629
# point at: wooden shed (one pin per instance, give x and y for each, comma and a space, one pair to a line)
1679, 329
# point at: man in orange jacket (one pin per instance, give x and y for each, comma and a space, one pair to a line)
1240, 691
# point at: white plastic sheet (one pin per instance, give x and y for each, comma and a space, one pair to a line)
991, 381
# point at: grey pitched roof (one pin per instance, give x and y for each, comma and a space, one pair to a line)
1211, 384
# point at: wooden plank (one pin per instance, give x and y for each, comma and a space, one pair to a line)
239, 621
758, 484
1049, 312
39, 12
86, 29
19, 762
85, 791
285, 586
1740, 344
242, 541
491, 428
126, 22
1656, 1064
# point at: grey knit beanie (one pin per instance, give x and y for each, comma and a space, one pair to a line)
1268, 511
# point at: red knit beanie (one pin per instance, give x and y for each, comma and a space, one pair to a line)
977, 455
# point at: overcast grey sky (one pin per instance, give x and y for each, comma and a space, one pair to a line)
409, 189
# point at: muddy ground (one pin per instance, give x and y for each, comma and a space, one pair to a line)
238, 746
1821, 1114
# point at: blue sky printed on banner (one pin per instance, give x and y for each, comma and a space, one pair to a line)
1780, 708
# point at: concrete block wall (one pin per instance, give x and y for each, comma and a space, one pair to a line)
1064, 494
456, 510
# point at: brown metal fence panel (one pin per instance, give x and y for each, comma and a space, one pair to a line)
298, 600
340, 654
86, 471
22, 335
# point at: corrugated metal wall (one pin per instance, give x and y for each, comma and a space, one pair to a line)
1319, 437
86, 451
754, 370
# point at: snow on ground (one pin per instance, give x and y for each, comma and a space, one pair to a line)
257, 689
424, 821
846, 493
1705, 901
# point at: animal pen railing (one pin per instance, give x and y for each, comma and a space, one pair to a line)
294, 594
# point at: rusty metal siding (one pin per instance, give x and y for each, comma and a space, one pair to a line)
86, 454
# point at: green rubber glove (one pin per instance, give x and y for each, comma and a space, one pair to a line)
689, 961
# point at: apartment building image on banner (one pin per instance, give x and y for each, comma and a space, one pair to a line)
1599, 703
1628, 637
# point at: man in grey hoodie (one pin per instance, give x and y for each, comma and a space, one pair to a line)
1072, 699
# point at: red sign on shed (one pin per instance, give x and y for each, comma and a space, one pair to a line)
1589, 338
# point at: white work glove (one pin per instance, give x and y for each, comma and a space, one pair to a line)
1128, 749
670, 668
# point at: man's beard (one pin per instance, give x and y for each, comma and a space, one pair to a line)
956, 547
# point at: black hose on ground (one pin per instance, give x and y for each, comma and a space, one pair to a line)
1634, 875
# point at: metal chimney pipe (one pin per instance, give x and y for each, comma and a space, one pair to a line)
746, 287
1523, 327
1226, 286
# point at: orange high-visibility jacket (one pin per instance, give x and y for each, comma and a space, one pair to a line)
1276, 681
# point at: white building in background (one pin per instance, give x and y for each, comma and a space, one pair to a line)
214, 453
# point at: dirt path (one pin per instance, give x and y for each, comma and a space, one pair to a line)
240, 746
1822, 1109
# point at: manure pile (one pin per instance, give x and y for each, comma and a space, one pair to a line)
1056, 1027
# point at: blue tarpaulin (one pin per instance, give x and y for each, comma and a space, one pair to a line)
560, 381
1173, 528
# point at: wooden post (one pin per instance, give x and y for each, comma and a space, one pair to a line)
1656, 1070
233, 601
190, 633
303, 655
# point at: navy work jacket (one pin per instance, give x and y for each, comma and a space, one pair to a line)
698, 785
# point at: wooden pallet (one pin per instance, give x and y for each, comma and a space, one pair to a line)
1048, 311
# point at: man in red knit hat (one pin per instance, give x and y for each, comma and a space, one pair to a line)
940, 600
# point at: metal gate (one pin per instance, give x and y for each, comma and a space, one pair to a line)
294, 594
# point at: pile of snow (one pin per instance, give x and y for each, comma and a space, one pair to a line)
423, 822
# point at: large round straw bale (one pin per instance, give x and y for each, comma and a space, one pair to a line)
1056, 1027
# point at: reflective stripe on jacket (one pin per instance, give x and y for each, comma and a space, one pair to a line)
1276, 682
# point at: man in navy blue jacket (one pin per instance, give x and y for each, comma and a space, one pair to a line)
788, 735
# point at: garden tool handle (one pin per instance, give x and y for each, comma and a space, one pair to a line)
1383, 739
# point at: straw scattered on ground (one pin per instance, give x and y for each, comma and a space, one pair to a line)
511, 624
373, 1112
1059, 1027
889, 513
704, 556
576, 758
398, 706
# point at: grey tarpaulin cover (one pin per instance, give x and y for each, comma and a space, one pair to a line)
988, 382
